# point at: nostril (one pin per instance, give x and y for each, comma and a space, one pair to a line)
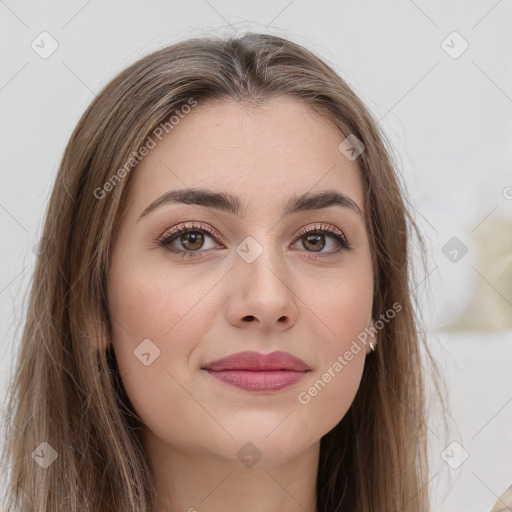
249, 318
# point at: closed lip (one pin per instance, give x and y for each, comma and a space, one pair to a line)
255, 361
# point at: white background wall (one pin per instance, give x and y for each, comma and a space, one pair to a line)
450, 120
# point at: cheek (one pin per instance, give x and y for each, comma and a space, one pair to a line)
341, 310
149, 301
157, 320
342, 303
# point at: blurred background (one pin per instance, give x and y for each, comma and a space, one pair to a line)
438, 78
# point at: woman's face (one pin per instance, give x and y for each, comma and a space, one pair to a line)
244, 278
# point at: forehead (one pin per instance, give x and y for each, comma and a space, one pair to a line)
263, 154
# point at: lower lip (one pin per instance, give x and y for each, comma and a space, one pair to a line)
259, 381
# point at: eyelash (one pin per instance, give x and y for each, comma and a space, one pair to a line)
173, 233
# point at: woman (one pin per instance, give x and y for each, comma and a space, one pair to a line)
221, 315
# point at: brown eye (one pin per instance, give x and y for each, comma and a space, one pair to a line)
316, 239
193, 240
313, 243
189, 241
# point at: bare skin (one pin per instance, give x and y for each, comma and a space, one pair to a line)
305, 298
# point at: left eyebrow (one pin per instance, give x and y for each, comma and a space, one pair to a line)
232, 204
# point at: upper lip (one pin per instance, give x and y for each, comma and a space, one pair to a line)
254, 361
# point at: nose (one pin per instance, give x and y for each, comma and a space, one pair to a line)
262, 293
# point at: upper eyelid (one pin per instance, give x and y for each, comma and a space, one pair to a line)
181, 226
320, 227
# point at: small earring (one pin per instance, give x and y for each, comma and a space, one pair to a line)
372, 346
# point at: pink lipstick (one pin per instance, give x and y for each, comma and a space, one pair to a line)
253, 371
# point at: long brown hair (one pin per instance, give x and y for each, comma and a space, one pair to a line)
67, 391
